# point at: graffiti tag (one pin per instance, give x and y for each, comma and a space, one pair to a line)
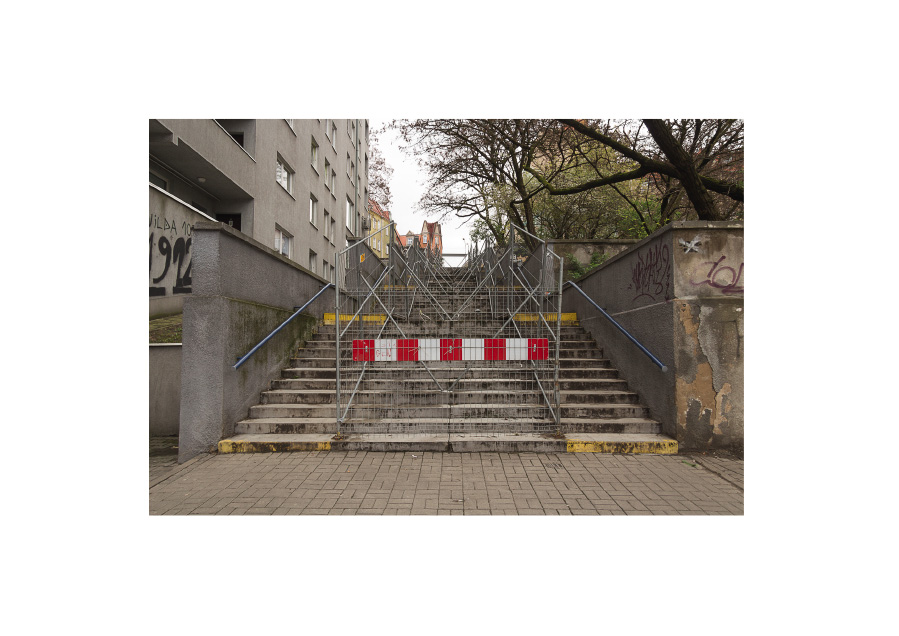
178, 255
727, 279
650, 276
161, 223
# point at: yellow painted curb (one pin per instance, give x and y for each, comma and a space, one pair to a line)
244, 446
661, 447
345, 318
550, 318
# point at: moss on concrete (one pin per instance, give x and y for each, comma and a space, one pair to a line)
166, 330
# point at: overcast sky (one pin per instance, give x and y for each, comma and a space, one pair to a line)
407, 187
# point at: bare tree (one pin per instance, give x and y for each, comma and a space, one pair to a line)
677, 156
478, 167
578, 178
379, 174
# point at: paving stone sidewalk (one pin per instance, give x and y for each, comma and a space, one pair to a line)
371, 483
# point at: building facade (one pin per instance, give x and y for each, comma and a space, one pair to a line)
298, 186
430, 238
375, 223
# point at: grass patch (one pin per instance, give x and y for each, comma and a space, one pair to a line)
166, 330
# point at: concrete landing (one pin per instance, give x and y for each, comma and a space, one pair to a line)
454, 443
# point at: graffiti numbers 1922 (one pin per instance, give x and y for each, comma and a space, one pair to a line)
180, 254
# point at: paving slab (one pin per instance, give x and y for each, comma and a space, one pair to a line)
432, 483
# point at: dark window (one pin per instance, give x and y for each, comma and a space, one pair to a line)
158, 181
230, 219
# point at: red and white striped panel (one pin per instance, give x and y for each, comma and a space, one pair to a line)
399, 350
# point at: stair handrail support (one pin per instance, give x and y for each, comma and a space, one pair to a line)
639, 345
262, 342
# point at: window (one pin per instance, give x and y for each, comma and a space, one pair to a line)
314, 155
313, 257
331, 235
333, 183
349, 172
333, 134
282, 242
313, 210
324, 268
158, 181
327, 223
327, 174
349, 212
332, 273
284, 175
328, 131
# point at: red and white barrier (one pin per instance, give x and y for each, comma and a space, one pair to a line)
448, 349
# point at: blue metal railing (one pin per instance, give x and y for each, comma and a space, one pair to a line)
283, 324
657, 362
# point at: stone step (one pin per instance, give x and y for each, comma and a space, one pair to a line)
401, 373
374, 398
496, 384
329, 345
276, 425
453, 442
295, 372
565, 362
445, 327
416, 412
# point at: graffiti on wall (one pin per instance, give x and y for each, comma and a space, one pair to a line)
651, 274
722, 277
169, 256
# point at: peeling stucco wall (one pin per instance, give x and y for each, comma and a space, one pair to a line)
709, 374
709, 280
680, 293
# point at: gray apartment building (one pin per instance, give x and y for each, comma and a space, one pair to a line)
298, 186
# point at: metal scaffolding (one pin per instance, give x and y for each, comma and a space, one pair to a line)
426, 348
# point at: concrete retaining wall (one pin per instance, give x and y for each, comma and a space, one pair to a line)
242, 290
582, 251
680, 293
165, 388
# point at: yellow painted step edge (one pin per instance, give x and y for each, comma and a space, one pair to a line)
660, 447
550, 318
379, 318
244, 446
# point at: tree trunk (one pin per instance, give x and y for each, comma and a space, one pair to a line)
686, 170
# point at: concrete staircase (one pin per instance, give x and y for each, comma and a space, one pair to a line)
491, 410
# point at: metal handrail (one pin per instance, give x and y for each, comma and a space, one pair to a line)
657, 362
283, 324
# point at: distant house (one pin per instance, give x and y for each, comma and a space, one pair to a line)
375, 223
430, 238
